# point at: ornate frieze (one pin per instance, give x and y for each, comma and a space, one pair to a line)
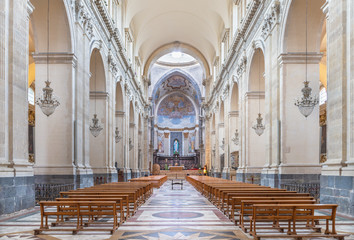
241, 66
225, 92
84, 19
271, 19
113, 67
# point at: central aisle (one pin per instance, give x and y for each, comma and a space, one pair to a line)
178, 214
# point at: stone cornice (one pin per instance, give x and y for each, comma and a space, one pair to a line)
175, 129
254, 95
54, 58
120, 113
234, 114
299, 58
99, 95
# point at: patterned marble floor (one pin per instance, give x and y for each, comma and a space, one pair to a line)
168, 214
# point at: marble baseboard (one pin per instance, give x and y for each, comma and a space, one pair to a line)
276, 180
16, 193
338, 190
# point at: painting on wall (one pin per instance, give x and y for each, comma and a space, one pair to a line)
191, 144
160, 142
176, 111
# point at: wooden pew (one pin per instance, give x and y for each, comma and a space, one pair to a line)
119, 204
78, 209
293, 213
235, 202
246, 208
132, 196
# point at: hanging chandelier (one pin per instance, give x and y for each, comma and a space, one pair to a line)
96, 127
259, 126
47, 102
117, 136
236, 138
306, 102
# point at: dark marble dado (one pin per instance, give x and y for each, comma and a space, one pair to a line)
338, 190
16, 193
276, 180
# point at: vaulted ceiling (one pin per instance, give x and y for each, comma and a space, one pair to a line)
199, 23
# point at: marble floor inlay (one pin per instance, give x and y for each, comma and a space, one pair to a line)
167, 214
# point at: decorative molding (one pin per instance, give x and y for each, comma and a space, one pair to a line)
113, 66
175, 129
55, 58
255, 95
299, 58
99, 95
234, 113
271, 19
241, 66
120, 113
225, 92
84, 19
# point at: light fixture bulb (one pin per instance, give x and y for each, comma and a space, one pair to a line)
176, 54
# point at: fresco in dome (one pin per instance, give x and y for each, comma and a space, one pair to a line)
176, 82
176, 111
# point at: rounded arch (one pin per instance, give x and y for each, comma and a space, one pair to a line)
222, 113
119, 97
181, 73
213, 127
60, 28
183, 47
256, 71
98, 74
234, 98
131, 113
294, 23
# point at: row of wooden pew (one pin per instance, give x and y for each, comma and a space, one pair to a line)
156, 180
98, 208
267, 212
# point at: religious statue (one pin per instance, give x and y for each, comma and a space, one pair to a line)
175, 146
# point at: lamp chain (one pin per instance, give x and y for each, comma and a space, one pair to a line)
48, 43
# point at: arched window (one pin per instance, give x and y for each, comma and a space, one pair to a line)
323, 95
30, 96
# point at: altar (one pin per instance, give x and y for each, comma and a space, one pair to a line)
176, 168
